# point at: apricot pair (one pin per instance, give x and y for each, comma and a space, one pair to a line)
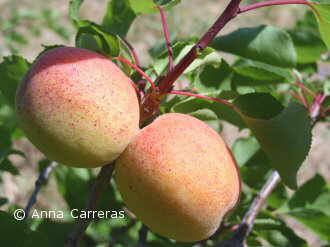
177, 175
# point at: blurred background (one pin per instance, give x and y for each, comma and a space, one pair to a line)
27, 25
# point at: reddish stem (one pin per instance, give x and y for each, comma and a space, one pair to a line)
135, 56
229, 13
305, 89
271, 3
150, 103
167, 38
318, 101
300, 99
203, 97
140, 71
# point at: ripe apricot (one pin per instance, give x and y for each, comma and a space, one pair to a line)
77, 107
179, 177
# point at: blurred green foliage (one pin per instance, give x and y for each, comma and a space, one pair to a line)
20, 24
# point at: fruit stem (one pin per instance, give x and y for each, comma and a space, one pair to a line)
167, 38
271, 3
140, 71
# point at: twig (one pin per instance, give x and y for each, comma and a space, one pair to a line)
203, 97
44, 174
317, 104
136, 68
102, 179
143, 233
271, 3
135, 56
150, 106
300, 99
120, 231
244, 229
300, 84
260, 200
167, 38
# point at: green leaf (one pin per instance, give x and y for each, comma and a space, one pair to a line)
278, 197
244, 84
266, 44
315, 220
119, 17
7, 165
223, 111
149, 6
93, 37
283, 133
3, 201
313, 194
17, 233
308, 45
7, 126
255, 170
261, 71
57, 232
74, 11
180, 49
209, 117
213, 77
7, 114
321, 10
326, 87
277, 234
74, 185
244, 149
12, 71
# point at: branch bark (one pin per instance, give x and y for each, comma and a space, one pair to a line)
102, 179
244, 229
44, 174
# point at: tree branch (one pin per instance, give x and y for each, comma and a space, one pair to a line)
102, 179
44, 174
244, 229
143, 234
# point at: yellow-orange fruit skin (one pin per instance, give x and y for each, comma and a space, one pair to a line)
77, 107
178, 177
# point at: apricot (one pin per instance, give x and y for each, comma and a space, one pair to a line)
77, 107
178, 177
